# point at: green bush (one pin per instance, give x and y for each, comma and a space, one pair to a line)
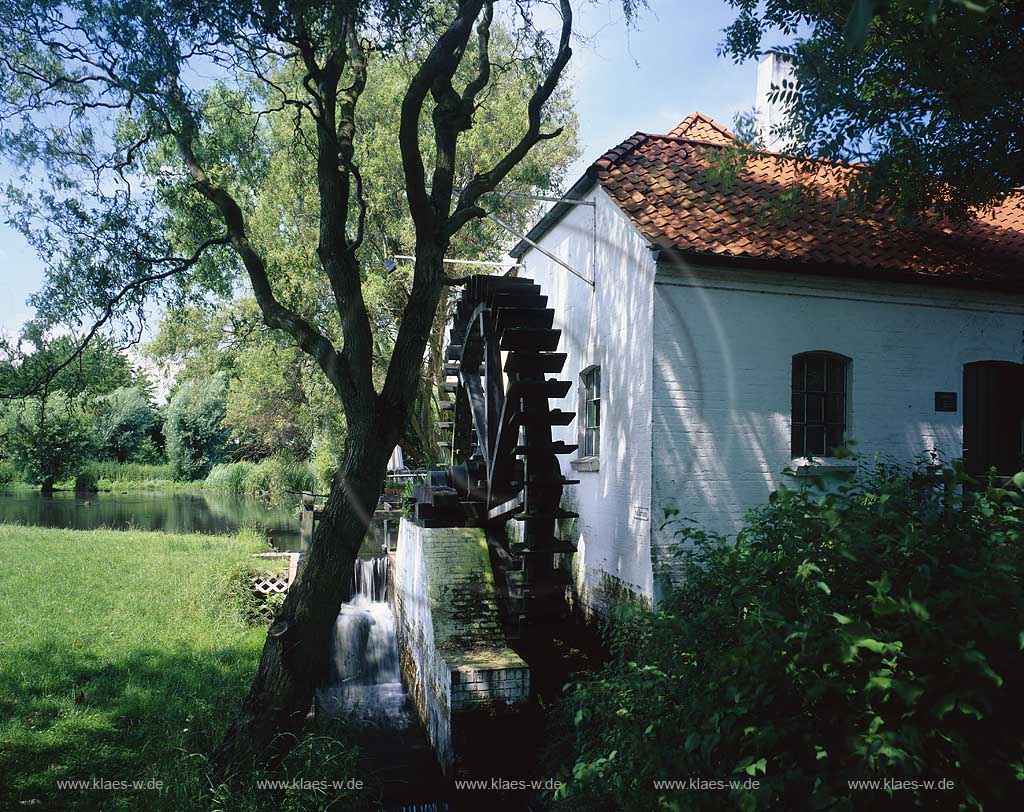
325, 462
122, 424
47, 440
86, 481
868, 631
231, 477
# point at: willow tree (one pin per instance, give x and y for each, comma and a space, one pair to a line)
274, 383
92, 92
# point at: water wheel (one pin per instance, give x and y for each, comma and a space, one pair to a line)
500, 364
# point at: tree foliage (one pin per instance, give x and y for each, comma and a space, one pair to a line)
194, 427
864, 631
124, 423
46, 439
926, 91
47, 431
150, 194
276, 400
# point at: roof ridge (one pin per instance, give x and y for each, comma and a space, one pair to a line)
697, 119
763, 152
617, 153
720, 127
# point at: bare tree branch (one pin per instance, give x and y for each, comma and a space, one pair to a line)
482, 183
439, 65
181, 264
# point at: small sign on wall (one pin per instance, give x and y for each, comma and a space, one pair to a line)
641, 514
945, 401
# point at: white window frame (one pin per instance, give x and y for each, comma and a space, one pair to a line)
590, 435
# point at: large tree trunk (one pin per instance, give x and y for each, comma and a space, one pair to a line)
295, 656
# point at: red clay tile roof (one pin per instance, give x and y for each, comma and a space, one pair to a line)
663, 183
704, 128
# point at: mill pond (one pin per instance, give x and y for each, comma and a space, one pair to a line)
171, 512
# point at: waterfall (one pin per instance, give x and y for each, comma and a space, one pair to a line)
370, 579
364, 679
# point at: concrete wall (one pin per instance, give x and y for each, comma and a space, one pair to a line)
609, 325
452, 650
721, 376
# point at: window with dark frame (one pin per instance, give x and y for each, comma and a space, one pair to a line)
591, 380
819, 403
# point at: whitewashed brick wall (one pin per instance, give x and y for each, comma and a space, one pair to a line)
723, 343
609, 325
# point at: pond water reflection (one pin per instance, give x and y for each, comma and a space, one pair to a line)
170, 511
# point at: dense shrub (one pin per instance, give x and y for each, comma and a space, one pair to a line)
325, 462
194, 427
86, 481
869, 631
230, 477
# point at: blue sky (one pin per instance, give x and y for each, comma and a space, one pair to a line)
648, 79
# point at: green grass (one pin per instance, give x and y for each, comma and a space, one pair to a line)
123, 656
272, 475
110, 476
132, 475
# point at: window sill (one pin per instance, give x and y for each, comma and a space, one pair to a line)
585, 464
822, 466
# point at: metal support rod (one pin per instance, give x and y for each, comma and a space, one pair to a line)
410, 258
524, 196
544, 251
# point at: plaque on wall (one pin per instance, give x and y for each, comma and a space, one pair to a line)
945, 401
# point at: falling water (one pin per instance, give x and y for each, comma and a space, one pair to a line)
365, 681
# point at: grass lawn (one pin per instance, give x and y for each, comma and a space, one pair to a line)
123, 656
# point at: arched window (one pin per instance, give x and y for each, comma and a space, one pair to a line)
819, 403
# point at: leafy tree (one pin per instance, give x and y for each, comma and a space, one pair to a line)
194, 427
35, 366
267, 407
926, 91
36, 376
95, 93
123, 424
209, 337
47, 439
276, 400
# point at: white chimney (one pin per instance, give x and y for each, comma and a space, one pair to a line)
772, 70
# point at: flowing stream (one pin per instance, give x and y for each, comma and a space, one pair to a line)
365, 680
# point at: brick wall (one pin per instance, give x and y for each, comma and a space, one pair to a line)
451, 645
723, 343
609, 325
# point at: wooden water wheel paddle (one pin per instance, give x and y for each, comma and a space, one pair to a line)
503, 460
